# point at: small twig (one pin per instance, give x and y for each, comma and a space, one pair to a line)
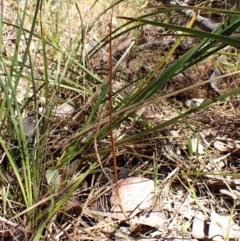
203, 23
96, 150
123, 57
15, 225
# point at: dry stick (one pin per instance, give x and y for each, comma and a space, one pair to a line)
96, 151
111, 117
15, 225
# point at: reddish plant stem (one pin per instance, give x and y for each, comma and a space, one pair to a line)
111, 117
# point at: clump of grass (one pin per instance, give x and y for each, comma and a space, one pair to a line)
56, 71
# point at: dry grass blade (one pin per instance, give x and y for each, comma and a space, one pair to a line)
96, 151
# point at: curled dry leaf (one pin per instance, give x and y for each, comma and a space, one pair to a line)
29, 125
232, 194
136, 195
193, 102
216, 84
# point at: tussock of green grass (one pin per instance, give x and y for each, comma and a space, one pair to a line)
57, 56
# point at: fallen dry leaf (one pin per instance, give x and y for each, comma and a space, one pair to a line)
223, 228
64, 110
136, 195
220, 146
216, 84
232, 194
193, 102
199, 226
156, 218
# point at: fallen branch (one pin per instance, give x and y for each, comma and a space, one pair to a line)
203, 23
